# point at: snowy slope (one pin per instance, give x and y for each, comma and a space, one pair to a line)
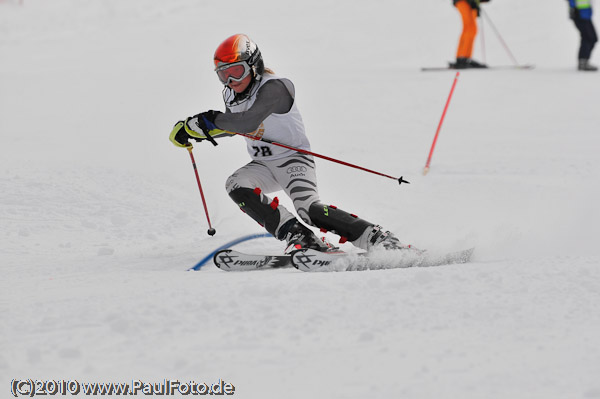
100, 215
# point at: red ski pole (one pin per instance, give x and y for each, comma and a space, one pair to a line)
400, 179
211, 231
426, 169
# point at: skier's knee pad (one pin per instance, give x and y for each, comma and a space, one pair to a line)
330, 218
257, 206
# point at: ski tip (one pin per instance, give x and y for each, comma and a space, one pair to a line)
433, 69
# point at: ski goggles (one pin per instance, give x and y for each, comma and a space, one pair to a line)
234, 72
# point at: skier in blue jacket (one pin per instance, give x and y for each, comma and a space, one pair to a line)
580, 12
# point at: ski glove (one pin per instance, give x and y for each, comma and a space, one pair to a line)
206, 120
474, 5
179, 136
573, 13
202, 126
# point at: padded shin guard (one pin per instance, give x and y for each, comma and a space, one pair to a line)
256, 205
349, 227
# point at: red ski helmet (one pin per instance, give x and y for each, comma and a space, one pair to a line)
236, 57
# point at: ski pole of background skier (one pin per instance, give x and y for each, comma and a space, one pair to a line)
482, 36
400, 179
510, 54
426, 169
211, 231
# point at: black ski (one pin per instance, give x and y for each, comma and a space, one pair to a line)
499, 67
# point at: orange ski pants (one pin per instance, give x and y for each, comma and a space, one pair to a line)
469, 18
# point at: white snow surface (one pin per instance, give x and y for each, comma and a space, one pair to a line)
100, 216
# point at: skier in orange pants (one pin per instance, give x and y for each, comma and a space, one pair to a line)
469, 11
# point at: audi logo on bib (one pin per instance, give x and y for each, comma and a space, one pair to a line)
296, 169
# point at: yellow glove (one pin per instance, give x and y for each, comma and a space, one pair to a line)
201, 127
179, 136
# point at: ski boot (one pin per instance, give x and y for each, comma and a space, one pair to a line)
475, 64
467, 63
461, 63
298, 236
584, 65
375, 237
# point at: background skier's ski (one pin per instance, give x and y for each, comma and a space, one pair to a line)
499, 67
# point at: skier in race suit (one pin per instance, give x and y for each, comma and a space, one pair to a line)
261, 104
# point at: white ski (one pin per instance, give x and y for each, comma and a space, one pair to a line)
230, 260
309, 260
